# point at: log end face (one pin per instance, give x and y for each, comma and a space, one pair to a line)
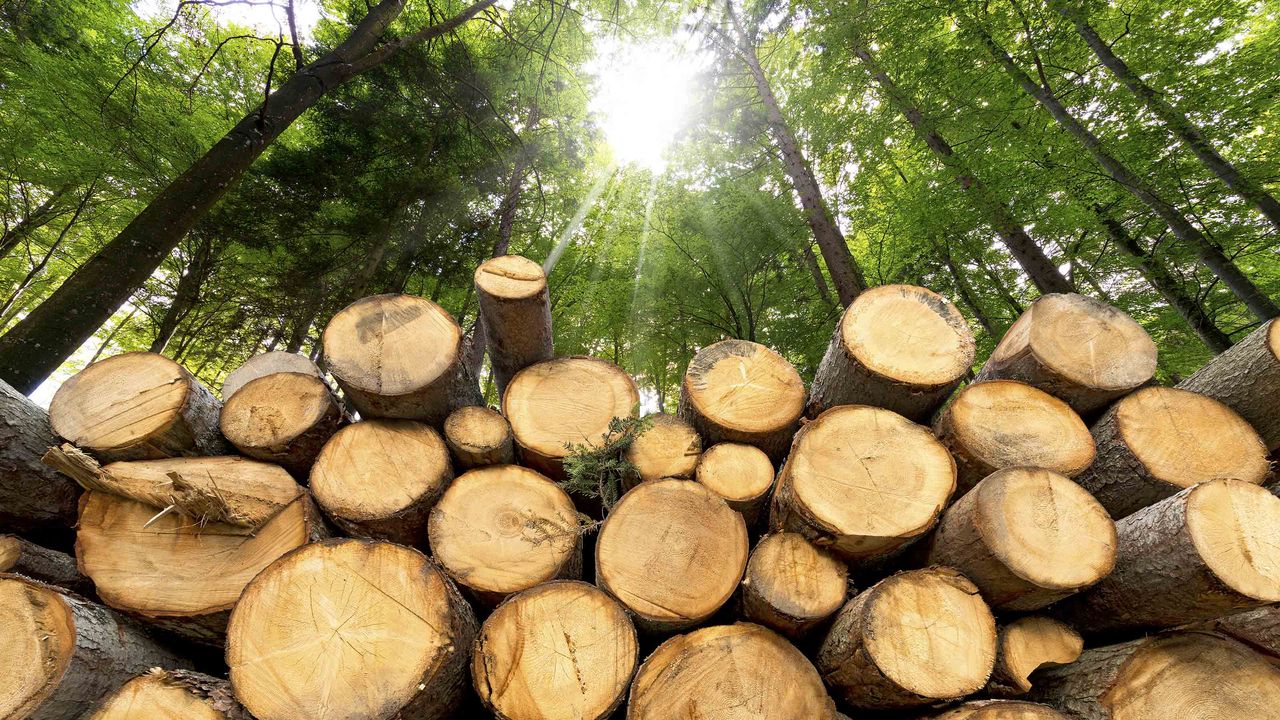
1001, 710
1030, 643
743, 389
389, 346
568, 400
476, 432
1235, 528
266, 364
736, 472
1091, 344
376, 469
37, 641
909, 335
152, 697
795, 580
669, 448
510, 277
272, 411
121, 402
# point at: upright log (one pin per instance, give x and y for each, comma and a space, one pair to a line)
1075, 348
1160, 440
1244, 378
478, 436
172, 695
670, 448
137, 406
899, 347
32, 496
21, 557
741, 474
1026, 645
1001, 710
268, 363
353, 629
515, 310
740, 391
283, 418
790, 586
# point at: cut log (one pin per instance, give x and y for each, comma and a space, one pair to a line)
380, 478
565, 401
1026, 645
515, 309
1075, 348
1160, 440
172, 695
1258, 628
560, 650
1026, 537
283, 418
912, 639
175, 573
1203, 553
33, 497
478, 436
864, 482
353, 629
502, 529
63, 654
741, 474
728, 672
740, 391
398, 356
1244, 379
20, 557
137, 406
899, 347
1001, 710
999, 424
672, 552
791, 586
670, 448
1167, 677
265, 364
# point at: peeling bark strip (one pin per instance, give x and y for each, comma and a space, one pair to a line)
1246, 379
32, 496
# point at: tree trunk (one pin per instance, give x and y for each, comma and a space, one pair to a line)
33, 498
478, 437
514, 315
167, 694
670, 448
187, 293
1000, 710
267, 363
1244, 378
965, 290
1026, 645
42, 215
791, 585
283, 418
742, 475
44, 261
21, 557
819, 280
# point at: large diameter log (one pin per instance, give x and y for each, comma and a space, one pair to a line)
998, 424
729, 672
1258, 628
1245, 379
669, 448
740, 391
380, 478
502, 529
353, 629
283, 418
398, 356
1160, 440
672, 552
899, 347
558, 651
1167, 677
912, 639
32, 496
63, 654
172, 695
1026, 645
478, 436
791, 586
1075, 348
1001, 710
864, 482
741, 474
1203, 553
565, 401
515, 309
21, 557
1026, 537
265, 364
137, 406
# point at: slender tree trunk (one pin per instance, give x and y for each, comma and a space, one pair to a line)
1177, 122
41, 341
1210, 254
186, 294
106, 342
811, 264
39, 217
302, 326
965, 291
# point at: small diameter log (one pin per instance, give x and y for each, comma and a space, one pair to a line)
672, 552
740, 391
380, 478
1166, 677
1077, 349
560, 650
284, 418
670, 448
137, 406
1160, 440
565, 401
32, 496
790, 586
398, 356
21, 557
478, 436
1027, 538
515, 309
1245, 378
912, 639
729, 672
172, 695
63, 654
1258, 628
1001, 710
899, 347
741, 474
1026, 645
1203, 553
353, 629
502, 529
265, 364
998, 424
863, 482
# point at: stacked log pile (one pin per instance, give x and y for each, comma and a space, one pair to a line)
366, 540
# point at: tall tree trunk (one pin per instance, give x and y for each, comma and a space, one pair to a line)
1178, 123
811, 264
1043, 272
1210, 254
845, 273
106, 341
41, 341
966, 293
39, 217
187, 293
302, 325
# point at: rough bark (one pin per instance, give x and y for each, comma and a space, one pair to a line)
21, 557
1258, 628
1244, 378
32, 496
